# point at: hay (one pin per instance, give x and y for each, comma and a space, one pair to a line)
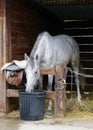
83, 110
74, 109
13, 114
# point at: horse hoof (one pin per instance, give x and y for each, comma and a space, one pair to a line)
49, 112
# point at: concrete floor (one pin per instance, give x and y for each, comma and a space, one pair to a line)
10, 123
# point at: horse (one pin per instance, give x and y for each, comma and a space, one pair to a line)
47, 51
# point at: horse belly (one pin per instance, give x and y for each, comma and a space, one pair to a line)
63, 58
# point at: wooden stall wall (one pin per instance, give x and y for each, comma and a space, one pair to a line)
26, 23
82, 31
20, 23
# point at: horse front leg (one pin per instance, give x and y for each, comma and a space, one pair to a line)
49, 88
41, 82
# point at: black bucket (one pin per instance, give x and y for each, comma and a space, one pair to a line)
31, 105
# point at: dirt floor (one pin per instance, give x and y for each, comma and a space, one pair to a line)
11, 123
78, 116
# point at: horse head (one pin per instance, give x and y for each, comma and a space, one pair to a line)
32, 72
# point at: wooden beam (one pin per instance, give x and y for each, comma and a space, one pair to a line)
59, 92
5, 51
47, 70
12, 93
15, 93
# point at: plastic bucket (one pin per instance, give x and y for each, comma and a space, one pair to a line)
31, 105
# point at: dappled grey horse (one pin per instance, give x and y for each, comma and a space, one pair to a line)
47, 51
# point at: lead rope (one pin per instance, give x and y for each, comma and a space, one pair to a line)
81, 74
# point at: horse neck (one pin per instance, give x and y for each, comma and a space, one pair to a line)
42, 45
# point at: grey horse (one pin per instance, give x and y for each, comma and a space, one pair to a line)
47, 51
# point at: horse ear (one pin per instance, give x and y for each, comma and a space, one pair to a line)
26, 56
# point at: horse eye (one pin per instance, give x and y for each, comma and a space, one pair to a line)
36, 72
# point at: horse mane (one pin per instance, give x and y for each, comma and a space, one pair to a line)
32, 53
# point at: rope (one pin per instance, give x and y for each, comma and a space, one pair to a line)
84, 75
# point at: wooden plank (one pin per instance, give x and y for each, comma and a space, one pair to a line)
47, 70
79, 31
63, 2
15, 93
86, 55
12, 93
78, 23
87, 64
86, 47
85, 39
